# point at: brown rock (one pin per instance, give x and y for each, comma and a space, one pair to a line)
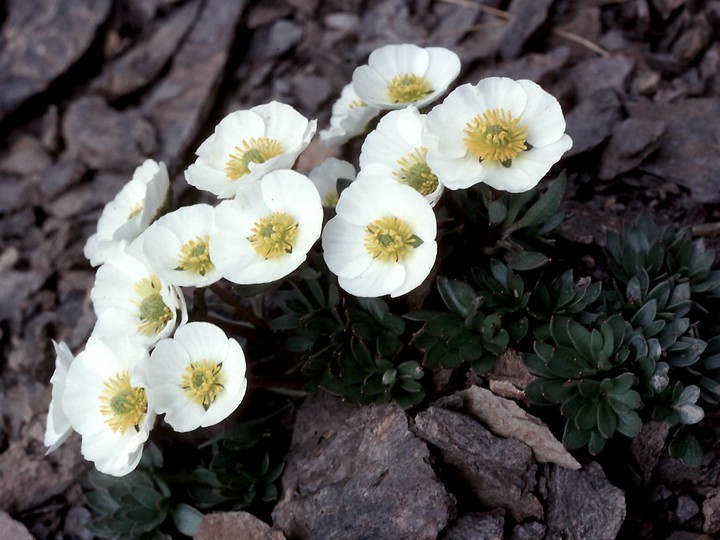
528, 16
25, 156
498, 472
711, 512
648, 446
40, 40
233, 525
592, 121
596, 74
359, 473
12, 530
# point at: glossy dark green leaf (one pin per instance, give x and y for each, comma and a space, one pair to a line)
526, 260
458, 296
544, 208
186, 519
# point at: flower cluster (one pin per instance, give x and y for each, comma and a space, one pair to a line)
144, 358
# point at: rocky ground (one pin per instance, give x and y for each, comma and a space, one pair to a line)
90, 88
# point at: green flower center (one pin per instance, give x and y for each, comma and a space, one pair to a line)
274, 235
415, 172
194, 256
153, 315
203, 381
495, 135
123, 405
408, 88
253, 151
390, 239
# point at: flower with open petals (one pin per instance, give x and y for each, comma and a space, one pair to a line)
350, 118
502, 132
394, 149
400, 75
58, 428
246, 145
266, 232
136, 206
326, 175
382, 240
197, 378
129, 298
106, 402
177, 246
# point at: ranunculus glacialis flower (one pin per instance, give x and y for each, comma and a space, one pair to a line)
266, 232
504, 133
246, 145
58, 428
107, 403
325, 178
382, 240
350, 118
197, 378
400, 75
134, 208
394, 149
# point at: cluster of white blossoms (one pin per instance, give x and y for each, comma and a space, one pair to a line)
144, 358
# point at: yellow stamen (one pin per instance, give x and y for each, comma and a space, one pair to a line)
495, 135
136, 210
203, 381
390, 239
415, 172
408, 88
253, 151
331, 199
356, 103
194, 256
153, 315
122, 404
274, 235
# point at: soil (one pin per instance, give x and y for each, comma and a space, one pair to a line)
91, 88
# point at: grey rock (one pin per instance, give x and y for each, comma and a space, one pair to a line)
711, 512
531, 530
498, 472
40, 40
12, 529
592, 121
583, 504
107, 139
475, 526
358, 473
632, 141
141, 64
180, 103
284, 35
15, 288
648, 446
60, 176
25, 156
528, 16
232, 525
686, 508
687, 154
595, 74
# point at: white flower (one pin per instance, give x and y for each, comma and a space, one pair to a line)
107, 404
350, 118
400, 75
177, 246
58, 428
326, 175
382, 240
395, 150
265, 232
502, 132
129, 298
137, 205
197, 378
246, 145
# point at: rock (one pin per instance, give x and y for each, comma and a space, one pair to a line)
531, 530
141, 64
711, 512
12, 530
40, 40
686, 535
592, 121
61, 175
76, 523
686, 508
15, 288
452, 17
312, 91
179, 104
25, 156
14, 192
358, 473
648, 445
666, 7
632, 141
478, 526
596, 74
687, 154
505, 418
509, 376
107, 139
498, 472
583, 504
536, 67
232, 525
694, 40
527, 17
284, 35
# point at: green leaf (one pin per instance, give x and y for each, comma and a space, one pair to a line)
606, 419
497, 212
389, 376
686, 447
629, 424
544, 208
458, 296
186, 519
596, 443
574, 438
101, 502
526, 260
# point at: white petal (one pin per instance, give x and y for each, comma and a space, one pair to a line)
343, 248
417, 267
542, 116
378, 279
